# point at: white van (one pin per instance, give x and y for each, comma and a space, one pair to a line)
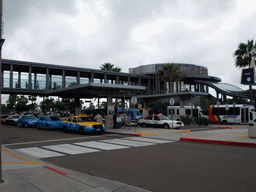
175, 114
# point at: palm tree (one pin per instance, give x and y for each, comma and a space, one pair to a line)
169, 73
244, 55
109, 67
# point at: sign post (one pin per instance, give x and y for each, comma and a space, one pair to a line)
134, 102
234, 106
227, 108
172, 101
218, 104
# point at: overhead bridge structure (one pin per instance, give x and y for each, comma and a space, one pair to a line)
31, 78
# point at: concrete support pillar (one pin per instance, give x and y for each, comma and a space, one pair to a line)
11, 76
78, 78
19, 80
30, 78
182, 109
35, 81
105, 78
117, 79
63, 79
47, 79
110, 111
92, 78
77, 106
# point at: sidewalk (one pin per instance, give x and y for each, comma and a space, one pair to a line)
21, 172
24, 173
214, 134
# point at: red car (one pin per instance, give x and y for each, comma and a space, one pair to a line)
3, 118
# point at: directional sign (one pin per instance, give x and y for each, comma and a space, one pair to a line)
134, 100
172, 101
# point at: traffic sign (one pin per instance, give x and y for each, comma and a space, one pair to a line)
172, 101
134, 100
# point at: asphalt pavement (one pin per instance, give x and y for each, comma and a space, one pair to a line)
21, 172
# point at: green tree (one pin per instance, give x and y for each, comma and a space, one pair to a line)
161, 107
47, 104
109, 67
244, 54
243, 57
21, 105
33, 104
61, 106
11, 102
169, 73
91, 106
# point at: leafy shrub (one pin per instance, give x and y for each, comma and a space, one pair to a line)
186, 120
202, 121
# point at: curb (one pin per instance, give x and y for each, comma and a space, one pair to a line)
133, 134
226, 127
218, 142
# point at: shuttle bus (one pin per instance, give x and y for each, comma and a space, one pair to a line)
240, 114
197, 112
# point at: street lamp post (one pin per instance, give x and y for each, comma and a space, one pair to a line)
1, 83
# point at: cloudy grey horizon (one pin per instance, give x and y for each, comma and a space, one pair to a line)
87, 33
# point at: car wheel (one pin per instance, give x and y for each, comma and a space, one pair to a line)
81, 130
48, 127
224, 122
65, 129
166, 126
26, 125
37, 126
144, 125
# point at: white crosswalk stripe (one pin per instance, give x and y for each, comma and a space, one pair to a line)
90, 147
99, 145
70, 149
127, 142
40, 153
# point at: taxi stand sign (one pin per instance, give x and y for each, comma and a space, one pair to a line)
247, 76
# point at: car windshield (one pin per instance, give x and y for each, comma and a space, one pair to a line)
15, 117
83, 119
30, 117
164, 118
52, 118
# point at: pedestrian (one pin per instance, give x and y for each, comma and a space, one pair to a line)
114, 119
98, 118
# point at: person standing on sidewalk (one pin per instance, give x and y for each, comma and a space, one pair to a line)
98, 118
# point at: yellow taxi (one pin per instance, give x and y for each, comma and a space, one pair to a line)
82, 123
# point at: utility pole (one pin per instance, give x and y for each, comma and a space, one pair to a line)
1, 83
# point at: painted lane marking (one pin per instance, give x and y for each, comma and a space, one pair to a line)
39, 153
70, 149
127, 142
143, 139
100, 145
27, 162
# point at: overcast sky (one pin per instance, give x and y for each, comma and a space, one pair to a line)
129, 33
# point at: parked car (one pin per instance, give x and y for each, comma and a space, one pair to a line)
159, 121
12, 119
82, 123
49, 122
3, 118
27, 121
